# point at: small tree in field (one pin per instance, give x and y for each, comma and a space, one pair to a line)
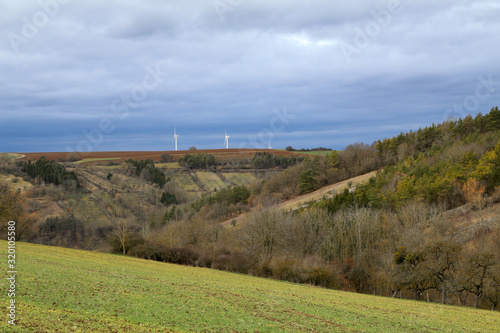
73, 157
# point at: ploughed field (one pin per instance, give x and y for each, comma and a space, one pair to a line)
66, 290
89, 157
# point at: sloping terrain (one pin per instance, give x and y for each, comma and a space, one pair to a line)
327, 191
66, 290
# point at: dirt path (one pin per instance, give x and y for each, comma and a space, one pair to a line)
13, 156
328, 191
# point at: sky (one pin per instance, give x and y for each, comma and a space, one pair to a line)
116, 75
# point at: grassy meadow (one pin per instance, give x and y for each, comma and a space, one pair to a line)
210, 180
65, 290
240, 179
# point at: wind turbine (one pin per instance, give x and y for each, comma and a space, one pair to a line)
269, 146
226, 140
175, 137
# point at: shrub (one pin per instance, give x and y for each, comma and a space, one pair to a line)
234, 262
181, 256
285, 268
165, 158
317, 272
74, 157
148, 251
168, 199
133, 239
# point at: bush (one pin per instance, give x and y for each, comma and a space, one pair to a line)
165, 158
168, 199
359, 279
231, 262
181, 256
148, 251
311, 270
285, 268
74, 157
317, 272
230, 195
133, 240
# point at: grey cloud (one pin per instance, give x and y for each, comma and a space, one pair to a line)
233, 73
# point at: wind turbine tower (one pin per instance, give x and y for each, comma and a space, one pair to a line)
226, 140
175, 138
269, 146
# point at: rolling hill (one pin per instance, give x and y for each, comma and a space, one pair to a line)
66, 290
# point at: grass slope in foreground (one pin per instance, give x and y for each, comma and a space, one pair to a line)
65, 290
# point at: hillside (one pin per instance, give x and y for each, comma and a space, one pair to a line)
65, 290
318, 195
424, 227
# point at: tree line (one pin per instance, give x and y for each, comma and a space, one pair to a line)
50, 172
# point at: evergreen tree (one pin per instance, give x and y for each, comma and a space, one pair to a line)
307, 182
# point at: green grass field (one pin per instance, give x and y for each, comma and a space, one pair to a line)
169, 165
210, 180
65, 290
240, 179
185, 181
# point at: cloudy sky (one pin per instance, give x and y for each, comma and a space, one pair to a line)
119, 75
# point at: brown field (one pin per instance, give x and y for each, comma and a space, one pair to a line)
220, 154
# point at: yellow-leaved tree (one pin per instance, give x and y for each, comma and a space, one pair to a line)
488, 169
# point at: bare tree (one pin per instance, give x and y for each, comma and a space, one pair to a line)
261, 235
479, 266
122, 233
